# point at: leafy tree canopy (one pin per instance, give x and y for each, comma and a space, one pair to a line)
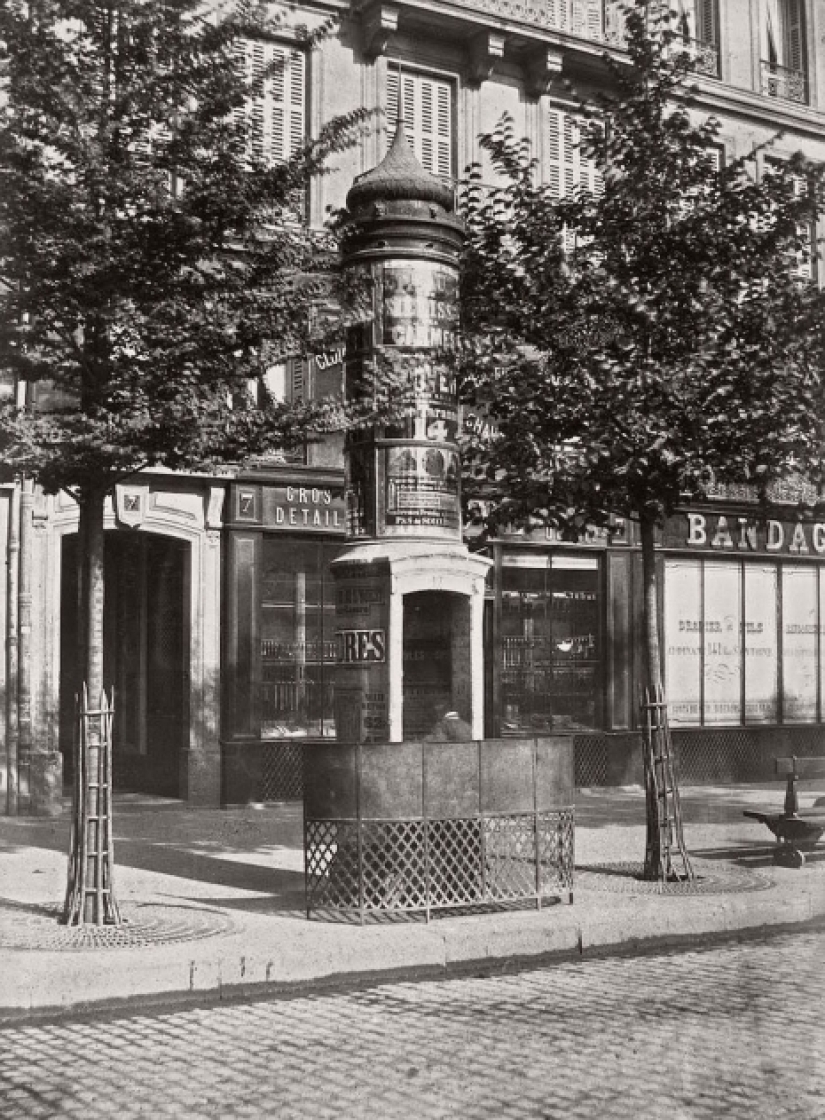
635, 342
151, 265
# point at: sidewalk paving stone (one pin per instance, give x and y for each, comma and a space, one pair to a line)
216, 898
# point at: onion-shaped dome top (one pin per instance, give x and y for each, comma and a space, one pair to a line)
399, 176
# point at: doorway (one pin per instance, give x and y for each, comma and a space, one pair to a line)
146, 656
436, 661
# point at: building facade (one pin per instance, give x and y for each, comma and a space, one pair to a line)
219, 629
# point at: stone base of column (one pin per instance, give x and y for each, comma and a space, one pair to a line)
41, 784
200, 777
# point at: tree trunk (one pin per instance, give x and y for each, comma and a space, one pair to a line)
666, 856
92, 591
650, 607
90, 894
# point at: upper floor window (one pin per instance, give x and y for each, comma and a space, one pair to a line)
783, 50
697, 28
565, 169
803, 262
429, 111
694, 22
275, 112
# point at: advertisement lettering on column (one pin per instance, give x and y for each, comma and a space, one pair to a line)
361, 693
422, 489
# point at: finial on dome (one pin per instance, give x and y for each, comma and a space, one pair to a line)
399, 175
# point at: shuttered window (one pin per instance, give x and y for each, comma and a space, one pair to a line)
586, 18
275, 112
694, 19
428, 118
581, 17
564, 166
783, 34
804, 263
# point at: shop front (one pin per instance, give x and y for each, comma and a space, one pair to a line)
283, 531
743, 630
561, 644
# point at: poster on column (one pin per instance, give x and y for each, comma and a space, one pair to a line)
361, 682
422, 489
418, 304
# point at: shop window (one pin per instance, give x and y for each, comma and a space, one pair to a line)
297, 639
800, 640
550, 643
743, 642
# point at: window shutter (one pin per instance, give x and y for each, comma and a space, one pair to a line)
804, 265
706, 22
276, 110
795, 58
564, 167
614, 21
586, 18
428, 119
557, 13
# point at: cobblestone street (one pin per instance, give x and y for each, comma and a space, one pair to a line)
736, 1030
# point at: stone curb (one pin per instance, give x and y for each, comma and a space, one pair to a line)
289, 958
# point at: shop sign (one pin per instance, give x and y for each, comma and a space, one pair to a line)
355, 647
617, 532
329, 359
306, 509
733, 533
360, 599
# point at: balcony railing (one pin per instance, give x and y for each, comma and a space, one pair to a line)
782, 82
599, 20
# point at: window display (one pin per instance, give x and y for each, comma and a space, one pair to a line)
297, 639
551, 643
800, 642
733, 631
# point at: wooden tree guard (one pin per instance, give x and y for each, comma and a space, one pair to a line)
666, 857
90, 897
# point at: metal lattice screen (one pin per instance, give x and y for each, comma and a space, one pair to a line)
716, 755
422, 865
590, 760
741, 754
282, 772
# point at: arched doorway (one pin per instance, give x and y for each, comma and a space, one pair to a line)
146, 656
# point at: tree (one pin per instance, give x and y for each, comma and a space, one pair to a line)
153, 261
649, 332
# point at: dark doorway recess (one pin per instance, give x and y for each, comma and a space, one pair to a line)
146, 640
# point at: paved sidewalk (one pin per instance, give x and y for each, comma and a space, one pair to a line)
215, 901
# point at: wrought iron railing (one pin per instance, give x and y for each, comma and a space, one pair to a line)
706, 56
599, 20
784, 83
